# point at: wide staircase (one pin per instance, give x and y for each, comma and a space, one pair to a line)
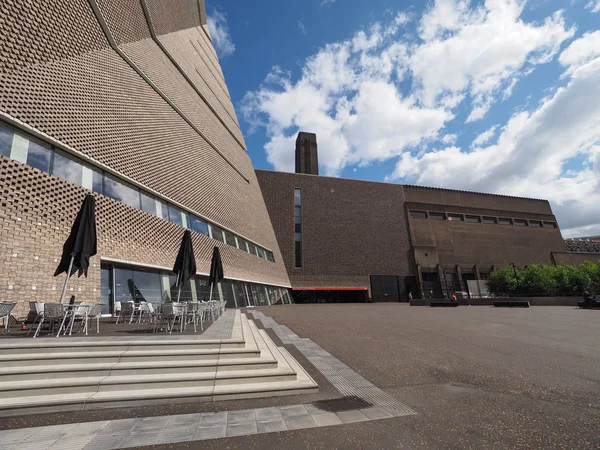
52, 374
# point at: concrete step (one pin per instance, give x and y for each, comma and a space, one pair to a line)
89, 376
47, 346
115, 356
25, 373
137, 382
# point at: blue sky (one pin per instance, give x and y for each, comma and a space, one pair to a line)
498, 96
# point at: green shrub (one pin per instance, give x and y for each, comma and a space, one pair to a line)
543, 279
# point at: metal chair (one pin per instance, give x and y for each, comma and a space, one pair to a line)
53, 313
80, 313
194, 312
167, 313
94, 312
126, 311
180, 312
39, 313
5, 310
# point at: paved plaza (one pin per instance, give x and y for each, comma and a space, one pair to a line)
390, 376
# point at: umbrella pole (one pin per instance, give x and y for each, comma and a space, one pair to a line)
64, 291
210, 299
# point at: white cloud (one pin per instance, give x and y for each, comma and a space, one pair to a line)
581, 51
530, 154
480, 51
348, 95
385, 93
594, 5
449, 139
219, 31
484, 137
327, 2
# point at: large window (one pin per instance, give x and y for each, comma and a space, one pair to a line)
229, 238
489, 220
473, 219
504, 221
39, 156
216, 233
456, 217
298, 227
121, 192
520, 222
437, 216
199, 226
68, 169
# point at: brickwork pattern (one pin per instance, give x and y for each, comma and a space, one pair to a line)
36, 214
355, 228
350, 229
59, 75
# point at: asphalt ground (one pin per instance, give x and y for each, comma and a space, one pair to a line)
478, 377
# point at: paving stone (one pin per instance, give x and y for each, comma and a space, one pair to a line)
266, 414
116, 426
105, 442
293, 410
138, 440
240, 417
210, 432
213, 419
271, 426
88, 428
183, 421
352, 416
326, 419
299, 422
152, 424
37, 445
241, 429
15, 436
72, 443
312, 408
177, 435
53, 432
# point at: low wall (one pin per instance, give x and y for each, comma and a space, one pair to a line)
533, 301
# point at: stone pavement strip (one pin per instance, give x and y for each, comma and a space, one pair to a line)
123, 433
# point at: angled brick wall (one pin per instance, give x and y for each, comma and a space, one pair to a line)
130, 108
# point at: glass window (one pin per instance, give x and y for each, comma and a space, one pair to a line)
67, 169
456, 217
297, 214
504, 221
418, 214
535, 223
39, 156
298, 249
149, 204
243, 245
186, 290
123, 285
520, 222
106, 289
549, 225
147, 286
175, 215
216, 233
252, 248
298, 228
270, 256
473, 219
97, 180
489, 219
199, 226
6, 139
437, 216
229, 238
202, 289
121, 192
297, 197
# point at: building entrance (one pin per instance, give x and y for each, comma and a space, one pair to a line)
392, 288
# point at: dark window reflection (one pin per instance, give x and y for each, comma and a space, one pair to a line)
175, 216
147, 287
67, 169
148, 204
123, 280
198, 226
6, 138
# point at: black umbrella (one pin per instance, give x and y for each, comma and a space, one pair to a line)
81, 243
185, 264
216, 270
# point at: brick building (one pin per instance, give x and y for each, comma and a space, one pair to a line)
125, 99
348, 240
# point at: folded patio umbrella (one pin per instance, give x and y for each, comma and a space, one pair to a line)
216, 270
185, 264
81, 243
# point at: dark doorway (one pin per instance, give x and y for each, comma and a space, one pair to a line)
329, 296
384, 288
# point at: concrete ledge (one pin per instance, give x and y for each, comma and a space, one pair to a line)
512, 304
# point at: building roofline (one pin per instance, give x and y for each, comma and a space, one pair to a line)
431, 188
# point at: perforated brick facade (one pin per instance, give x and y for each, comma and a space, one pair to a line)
136, 88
